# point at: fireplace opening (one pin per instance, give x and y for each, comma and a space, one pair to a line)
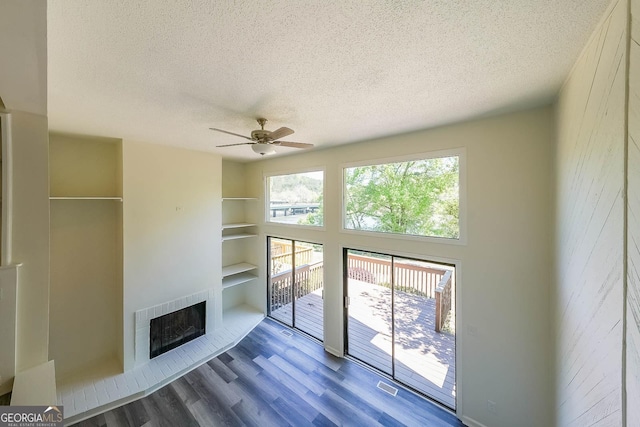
174, 329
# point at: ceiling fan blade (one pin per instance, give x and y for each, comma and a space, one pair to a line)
231, 133
292, 144
280, 133
231, 145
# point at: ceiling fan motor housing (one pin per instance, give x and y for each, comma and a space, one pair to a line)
259, 135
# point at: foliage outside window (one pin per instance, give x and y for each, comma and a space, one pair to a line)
296, 198
417, 197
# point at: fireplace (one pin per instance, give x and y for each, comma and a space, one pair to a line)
174, 329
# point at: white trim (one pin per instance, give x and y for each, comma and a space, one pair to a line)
423, 155
460, 152
267, 197
470, 422
7, 189
143, 320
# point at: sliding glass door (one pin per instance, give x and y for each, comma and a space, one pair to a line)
370, 310
295, 285
400, 319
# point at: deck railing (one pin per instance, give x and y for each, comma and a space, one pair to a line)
303, 256
443, 300
409, 277
308, 278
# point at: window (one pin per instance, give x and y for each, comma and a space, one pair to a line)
296, 198
419, 197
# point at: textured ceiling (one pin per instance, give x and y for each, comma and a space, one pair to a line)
335, 71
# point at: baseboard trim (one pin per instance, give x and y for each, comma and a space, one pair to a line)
470, 422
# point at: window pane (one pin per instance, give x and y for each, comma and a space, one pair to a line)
296, 198
418, 197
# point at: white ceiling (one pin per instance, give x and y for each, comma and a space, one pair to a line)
335, 71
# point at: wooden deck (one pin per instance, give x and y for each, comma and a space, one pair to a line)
309, 314
424, 359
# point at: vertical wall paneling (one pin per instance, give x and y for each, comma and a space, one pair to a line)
633, 225
590, 230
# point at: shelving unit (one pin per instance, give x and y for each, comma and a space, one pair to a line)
119, 199
238, 272
237, 236
237, 225
85, 251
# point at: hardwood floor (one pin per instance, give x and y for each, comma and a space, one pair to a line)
270, 379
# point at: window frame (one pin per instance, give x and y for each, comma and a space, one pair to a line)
267, 197
462, 196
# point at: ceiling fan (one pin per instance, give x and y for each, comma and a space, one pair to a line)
262, 141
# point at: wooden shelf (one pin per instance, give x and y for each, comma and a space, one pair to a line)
237, 236
232, 269
238, 198
237, 279
237, 225
85, 198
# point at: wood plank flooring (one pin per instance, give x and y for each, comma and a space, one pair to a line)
270, 379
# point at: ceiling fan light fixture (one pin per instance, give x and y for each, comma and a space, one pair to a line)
263, 149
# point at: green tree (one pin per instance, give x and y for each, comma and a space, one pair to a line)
416, 197
314, 218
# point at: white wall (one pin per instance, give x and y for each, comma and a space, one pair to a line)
8, 282
633, 232
504, 275
86, 284
23, 55
588, 297
172, 223
23, 77
31, 235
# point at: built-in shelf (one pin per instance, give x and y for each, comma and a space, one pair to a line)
232, 269
237, 279
237, 225
237, 236
240, 279
84, 198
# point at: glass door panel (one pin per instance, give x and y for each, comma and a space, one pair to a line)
424, 354
369, 309
296, 283
308, 315
400, 319
280, 280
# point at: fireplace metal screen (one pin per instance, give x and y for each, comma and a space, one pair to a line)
174, 329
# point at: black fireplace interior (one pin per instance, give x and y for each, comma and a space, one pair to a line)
174, 329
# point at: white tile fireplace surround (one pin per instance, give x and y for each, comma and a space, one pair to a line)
144, 317
105, 386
